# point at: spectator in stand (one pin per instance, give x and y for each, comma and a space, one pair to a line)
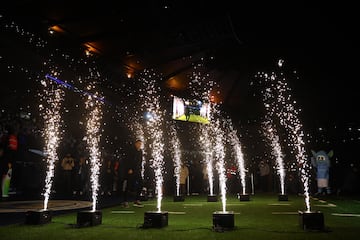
81, 176
107, 177
67, 165
132, 175
10, 154
184, 174
116, 176
264, 172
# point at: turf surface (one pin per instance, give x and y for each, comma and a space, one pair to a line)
263, 217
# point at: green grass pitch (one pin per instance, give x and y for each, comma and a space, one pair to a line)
263, 217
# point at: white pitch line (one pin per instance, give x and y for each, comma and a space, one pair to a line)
328, 205
279, 204
346, 214
235, 213
193, 205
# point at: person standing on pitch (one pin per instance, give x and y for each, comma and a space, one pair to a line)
184, 174
132, 183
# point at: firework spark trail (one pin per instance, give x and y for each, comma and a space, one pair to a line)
93, 136
176, 153
289, 119
53, 97
207, 147
274, 140
239, 156
272, 108
200, 83
219, 154
157, 148
154, 129
201, 86
50, 109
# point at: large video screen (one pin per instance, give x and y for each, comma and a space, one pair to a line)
190, 110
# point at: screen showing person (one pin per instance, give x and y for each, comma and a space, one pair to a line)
190, 110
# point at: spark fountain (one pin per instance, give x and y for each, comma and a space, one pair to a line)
201, 86
207, 147
151, 100
176, 153
138, 129
50, 109
239, 157
52, 98
222, 220
273, 138
93, 135
269, 130
289, 119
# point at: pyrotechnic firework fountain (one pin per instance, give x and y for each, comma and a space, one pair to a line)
201, 86
239, 157
93, 136
51, 112
212, 139
150, 96
94, 102
223, 220
50, 109
219, 154
93, 106
273, 105
273, 138
176, 155
52, 96
288, 117
207, 146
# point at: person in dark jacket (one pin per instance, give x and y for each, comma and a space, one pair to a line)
132, 175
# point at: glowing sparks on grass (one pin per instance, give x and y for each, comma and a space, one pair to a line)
288, 117
50, 110
176, 155
239, 156
93, 136
151, 101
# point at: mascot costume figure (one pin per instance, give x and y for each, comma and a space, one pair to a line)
321, 161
